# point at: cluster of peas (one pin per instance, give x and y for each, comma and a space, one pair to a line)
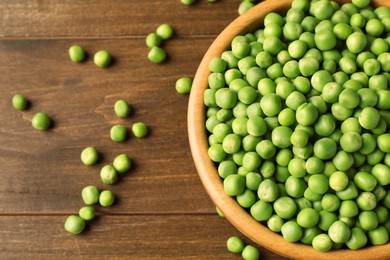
109, 174
154, 40
298, 114
40, 121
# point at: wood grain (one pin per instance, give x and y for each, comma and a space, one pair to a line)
44, 172
120, 237
102, 18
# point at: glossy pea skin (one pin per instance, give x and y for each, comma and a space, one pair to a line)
152, 40
89, 156
90, 195
139, 129
365, 181
76, 53
74, 224
122, 108
118, 133
339, 232
234, 185
164, 31
261, 211
157, 54
307, 218
102, 58
19, 102
122, 163
378, 236
285, 207
235, 244
87, 213
250, 253
291, 231
322, 243
268, 190
41, 121
106, 198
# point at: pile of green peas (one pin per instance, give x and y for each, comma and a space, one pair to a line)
298, 118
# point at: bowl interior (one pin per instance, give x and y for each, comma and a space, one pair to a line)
259, 233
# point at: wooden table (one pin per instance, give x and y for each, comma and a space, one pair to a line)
162, 210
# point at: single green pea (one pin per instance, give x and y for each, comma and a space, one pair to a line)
325, 148
250, 252
165, 31
261, 210
87, 213
268, 191
122, 163
122, 108
187, 2
76, 53
369, 118
139, 129
219, 212
90, 195
356, 42
118, 133
244, 6
291, 231
19, 102
41, 121
234, 185
106, 198
235, 244
322, 242
102, 58
74, 224
157, 54
365, 181
339, 232
275, 223
285, 207
89, 156
153, 40
108, 175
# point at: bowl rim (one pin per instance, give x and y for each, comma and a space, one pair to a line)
206, 169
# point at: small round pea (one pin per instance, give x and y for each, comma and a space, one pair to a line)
74, 224
234, 185
76, 53
285, 207
291, 231
338, 181
153, 40
165, 31
250, 253
90, 195
122, 163
139, 129
118, 133
183, 85
19, 102
87, 213
157, 54
356, 42
108, 175
244, 6
369, 118
322, 242
378, 236
122, 108
102, 58
106, 198
384, 142
339, 232
89, 156
41, 121
235, 245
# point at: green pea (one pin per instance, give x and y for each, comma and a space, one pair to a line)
41, 121
164, 31
281, 136
325, 148
338, 181
90, 195
108, 175
275, 223
250, 252
322, 242
122, 108
234, 185
74, 224
285, 207
306, 114
369, 118
339, 232
183, 85
384, 142
153, 40
219, 212
122, 163
139, 129
246, 199
358, 239
106, 198
318, 183
102, 58
291, 231
217, 152
76, 53
235, 244
87, 213
365, 181
157, 54
118, 133
216, 80
19, 102
89, 156
307, 218
261, 210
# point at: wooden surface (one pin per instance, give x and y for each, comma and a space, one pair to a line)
163, 211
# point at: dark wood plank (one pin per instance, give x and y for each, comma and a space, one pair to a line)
41, 171
47, 18
120, 237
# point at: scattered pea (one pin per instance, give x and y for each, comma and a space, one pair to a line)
87, 213
89, 156
165, 31
76, 53
41, 121
102, 58
74, 224
118, 133
90, 195
106, 198
157, 54
183, 85
122, 108
139, 130
122, 163
108, 175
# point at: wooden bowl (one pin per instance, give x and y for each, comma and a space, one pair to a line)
207, 171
